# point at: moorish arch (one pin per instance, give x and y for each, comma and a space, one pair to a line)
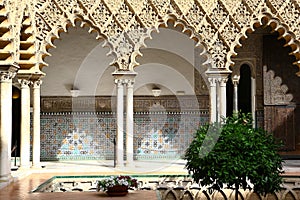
264, 20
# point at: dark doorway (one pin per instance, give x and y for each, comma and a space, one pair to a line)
244, 90
229, 99
16, 120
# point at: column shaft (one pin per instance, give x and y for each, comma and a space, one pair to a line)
129, 123
235, 82
5, 127
222, 97
120, 118
25, 124
36, 150
213, 100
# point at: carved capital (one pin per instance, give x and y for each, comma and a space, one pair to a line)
222, 81
119, 82
36, 83
129, 83
212, 82
235, 80
6, 76
25, 83
7, 73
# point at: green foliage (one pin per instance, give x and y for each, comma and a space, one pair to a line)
234, 155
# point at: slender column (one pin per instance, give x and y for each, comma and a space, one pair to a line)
129, 123
5, 124
222, 96
235, 82
120, 118
25, 124
213, 99
36, 150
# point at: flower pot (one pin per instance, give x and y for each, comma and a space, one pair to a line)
117, 190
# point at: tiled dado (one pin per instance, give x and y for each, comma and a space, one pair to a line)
90, 135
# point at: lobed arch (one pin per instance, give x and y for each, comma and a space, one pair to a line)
263, 20
80, 21
220, 19
174, 22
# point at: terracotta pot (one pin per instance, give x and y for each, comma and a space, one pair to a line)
117, 190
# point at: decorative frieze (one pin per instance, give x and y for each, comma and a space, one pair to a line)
105, 103
218, 24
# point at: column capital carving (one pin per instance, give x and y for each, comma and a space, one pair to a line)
24, 82
235, 80
119, 82
212, 82
129, 82
8, 73
122, 77
222, 81
36, 83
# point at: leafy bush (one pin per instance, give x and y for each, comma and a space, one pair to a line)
235, 155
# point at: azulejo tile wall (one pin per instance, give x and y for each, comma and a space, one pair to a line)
90, 135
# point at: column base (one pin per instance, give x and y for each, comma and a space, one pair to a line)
120, 165
5, 180
36, 166
130, 164
24, 167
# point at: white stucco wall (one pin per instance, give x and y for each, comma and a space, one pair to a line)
79, 61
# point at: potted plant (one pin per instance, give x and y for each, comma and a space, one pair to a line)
116, 185
235, 155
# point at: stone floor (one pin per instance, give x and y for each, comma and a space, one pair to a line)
27, 180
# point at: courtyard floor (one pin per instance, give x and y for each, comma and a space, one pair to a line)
27, 180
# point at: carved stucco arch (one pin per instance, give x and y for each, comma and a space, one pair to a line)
266, 19
224, 23
182, 26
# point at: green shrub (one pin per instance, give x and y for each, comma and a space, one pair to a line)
235, 155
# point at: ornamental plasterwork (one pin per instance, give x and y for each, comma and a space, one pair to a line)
275, 93
221, 22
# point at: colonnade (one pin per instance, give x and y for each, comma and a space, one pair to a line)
27, 82
124, 81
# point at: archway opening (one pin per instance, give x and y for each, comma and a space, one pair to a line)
244, 90
16, 121
229, 100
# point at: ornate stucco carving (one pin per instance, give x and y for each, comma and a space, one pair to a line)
275, 93
219, 24
106, 104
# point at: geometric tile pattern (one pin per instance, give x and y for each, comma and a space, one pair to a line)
90, 135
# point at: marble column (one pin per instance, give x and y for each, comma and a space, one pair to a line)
213, 99
129, 123
6, 123
36, 150
235, 81
222, 97
25, 124
120, 126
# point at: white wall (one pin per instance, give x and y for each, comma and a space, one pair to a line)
80, 61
